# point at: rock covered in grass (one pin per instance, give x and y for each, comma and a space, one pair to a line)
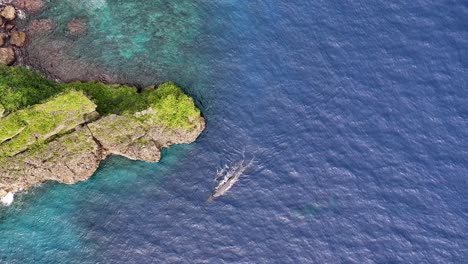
57, 133
41, 122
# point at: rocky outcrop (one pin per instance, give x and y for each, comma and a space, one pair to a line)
7, 56
39, 123
77, 141
18, 38
10, 38
127, 136
8, 12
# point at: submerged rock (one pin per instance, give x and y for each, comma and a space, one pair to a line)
18, 38
31, 6
40, 27
9, 12
77, 27
7, 56
55, 60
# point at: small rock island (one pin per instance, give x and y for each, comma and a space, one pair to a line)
61, 132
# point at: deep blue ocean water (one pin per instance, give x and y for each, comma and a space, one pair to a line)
355, 113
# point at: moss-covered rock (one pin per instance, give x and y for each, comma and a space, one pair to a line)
20, 88
63, 132
35, 125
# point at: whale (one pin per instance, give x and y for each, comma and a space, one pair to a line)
231, 176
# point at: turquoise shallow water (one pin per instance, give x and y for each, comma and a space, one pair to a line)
44, 226
155, 40
355, 114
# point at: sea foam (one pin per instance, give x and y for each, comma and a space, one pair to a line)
7, 200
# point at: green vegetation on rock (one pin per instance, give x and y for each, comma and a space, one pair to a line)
37, 109
61, 132
20, 88
111, 99
40, 122
171, 107
10, 127
169, 104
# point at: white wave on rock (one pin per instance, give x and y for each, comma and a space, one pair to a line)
21, 14
7, 200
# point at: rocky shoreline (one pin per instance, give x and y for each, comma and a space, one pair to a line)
11, 39
65, 138
76, 155
21, 44
73, 149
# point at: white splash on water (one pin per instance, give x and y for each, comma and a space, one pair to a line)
21, 14
7, 200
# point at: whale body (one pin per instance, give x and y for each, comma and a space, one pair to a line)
230, 177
